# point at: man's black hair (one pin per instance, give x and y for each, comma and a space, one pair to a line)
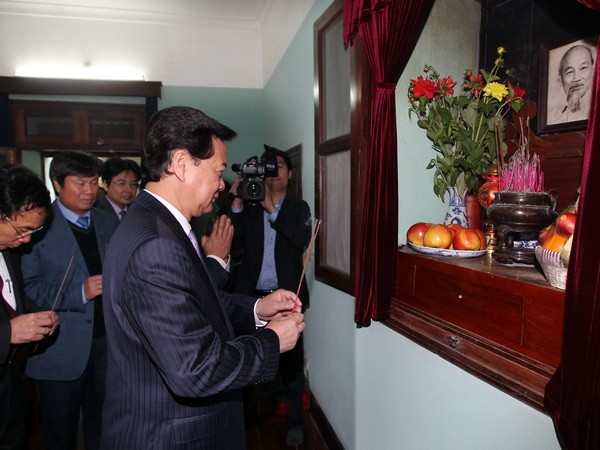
21, 190
179, 127
114, 166
72, 163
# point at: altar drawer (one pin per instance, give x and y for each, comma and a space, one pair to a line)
494, 314
509, 310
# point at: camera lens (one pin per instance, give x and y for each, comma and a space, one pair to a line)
254, 191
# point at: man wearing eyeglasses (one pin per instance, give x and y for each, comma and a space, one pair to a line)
63, 271
24, 205
120, 180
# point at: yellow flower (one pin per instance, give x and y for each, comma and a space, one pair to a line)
496, 90
501, 50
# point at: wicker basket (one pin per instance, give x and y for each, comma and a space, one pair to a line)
554, 269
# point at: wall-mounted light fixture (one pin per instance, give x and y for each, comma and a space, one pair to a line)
86, 71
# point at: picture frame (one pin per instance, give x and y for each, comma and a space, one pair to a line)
564, 94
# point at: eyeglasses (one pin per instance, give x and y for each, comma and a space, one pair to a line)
123, 183
22, 234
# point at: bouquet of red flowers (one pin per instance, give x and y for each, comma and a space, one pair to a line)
463, 128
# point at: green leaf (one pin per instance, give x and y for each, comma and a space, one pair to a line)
469, 115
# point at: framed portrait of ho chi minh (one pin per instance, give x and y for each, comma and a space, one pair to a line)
566, 83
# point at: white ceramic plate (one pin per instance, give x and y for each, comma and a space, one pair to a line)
446, 252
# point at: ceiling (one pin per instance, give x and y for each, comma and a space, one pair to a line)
215, 43
228, 13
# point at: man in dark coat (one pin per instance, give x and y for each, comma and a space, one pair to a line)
24, 205
272, 235
120, 180
69, 371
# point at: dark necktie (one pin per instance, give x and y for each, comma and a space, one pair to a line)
122, 214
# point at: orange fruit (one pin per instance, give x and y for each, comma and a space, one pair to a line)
554, 242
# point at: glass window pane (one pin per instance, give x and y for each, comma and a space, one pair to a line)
336, 70
49, 125
104, 127
337, 211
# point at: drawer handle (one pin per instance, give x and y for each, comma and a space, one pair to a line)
453, 341
459, 296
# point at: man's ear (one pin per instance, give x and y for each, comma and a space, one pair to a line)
289, 174
56, 185
179, 161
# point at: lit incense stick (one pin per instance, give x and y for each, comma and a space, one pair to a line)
313, 237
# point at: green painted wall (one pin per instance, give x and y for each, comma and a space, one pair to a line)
378, 389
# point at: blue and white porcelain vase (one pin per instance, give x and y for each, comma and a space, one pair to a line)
457, 212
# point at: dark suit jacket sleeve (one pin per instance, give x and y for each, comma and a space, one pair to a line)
182, 325
293, 223
236, 306
4, 336
217, 273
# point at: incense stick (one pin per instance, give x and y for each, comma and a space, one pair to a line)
313, 237
62, 282
498, 135
58, 293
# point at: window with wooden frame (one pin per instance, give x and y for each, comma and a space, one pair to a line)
342, 105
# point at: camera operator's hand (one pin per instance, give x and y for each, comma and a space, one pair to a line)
237, 199
267, 203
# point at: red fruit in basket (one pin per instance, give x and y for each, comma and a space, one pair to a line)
437, 236
546, 233
415, 233
565, 224
466, 239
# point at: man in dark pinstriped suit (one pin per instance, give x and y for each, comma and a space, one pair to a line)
175, 367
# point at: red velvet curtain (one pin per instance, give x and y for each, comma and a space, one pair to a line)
573, 393
389, 31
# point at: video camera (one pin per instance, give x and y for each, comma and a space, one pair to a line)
254, 172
